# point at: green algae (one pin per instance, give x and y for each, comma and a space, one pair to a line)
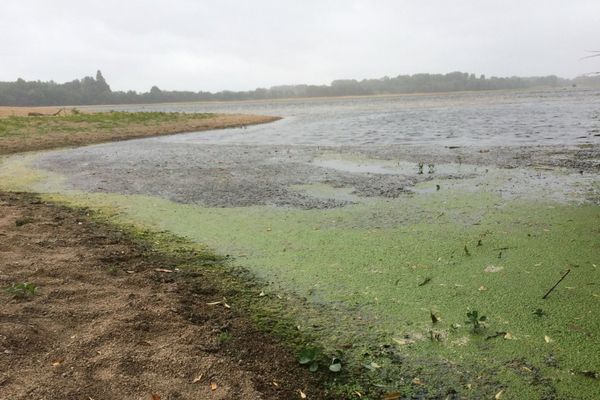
342, 257
366, 264
16, 174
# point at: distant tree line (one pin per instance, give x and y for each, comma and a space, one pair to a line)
90, 90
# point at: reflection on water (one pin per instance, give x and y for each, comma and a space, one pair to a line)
567, 116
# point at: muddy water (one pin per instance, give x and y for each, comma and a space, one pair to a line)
368, 147
550, 117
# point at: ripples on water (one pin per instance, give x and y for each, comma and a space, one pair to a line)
567, 116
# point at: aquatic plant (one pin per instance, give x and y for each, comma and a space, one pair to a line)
475, 320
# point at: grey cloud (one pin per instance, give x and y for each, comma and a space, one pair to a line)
215, 45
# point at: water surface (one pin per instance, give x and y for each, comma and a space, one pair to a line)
549, 117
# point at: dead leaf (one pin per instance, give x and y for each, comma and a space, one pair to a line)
358, 394
131, 272
197, 379
508, 336
213, 386
493, 268
548, 339
302, 394
56, 363
275, 384
391, 396
155, 397
402, 342
499, 395
168, 271
213, 303
417, 381
482, 288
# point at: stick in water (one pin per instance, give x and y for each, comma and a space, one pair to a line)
559, 281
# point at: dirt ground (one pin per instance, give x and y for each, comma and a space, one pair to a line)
106, 324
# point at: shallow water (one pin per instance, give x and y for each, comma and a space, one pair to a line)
565, 116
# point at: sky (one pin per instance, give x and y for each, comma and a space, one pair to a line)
241, 45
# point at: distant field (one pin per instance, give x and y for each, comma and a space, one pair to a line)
26, 129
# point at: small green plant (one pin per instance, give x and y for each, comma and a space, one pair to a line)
22, 290
309, 356
475, 320
538, 312
224, 337
112, 270
420, 165
467, 252
431, 168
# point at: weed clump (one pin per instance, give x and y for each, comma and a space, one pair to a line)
475, 321
22, 290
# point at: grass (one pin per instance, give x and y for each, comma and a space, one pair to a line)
21, 133
22, 290
20, 126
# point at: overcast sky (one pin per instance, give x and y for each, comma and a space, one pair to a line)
238, 45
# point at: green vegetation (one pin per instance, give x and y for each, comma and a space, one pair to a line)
309, 357
93, 123
369, 277
22, 290
112, 270
224, 337
475, 320
21, 134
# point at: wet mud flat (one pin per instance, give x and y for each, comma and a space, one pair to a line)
221, 175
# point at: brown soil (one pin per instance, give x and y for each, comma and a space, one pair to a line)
105, 324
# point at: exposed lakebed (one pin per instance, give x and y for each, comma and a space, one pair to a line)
381, 229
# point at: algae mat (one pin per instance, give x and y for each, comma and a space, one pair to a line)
393, 278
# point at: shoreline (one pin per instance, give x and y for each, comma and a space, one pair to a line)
94, 282
31, 133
